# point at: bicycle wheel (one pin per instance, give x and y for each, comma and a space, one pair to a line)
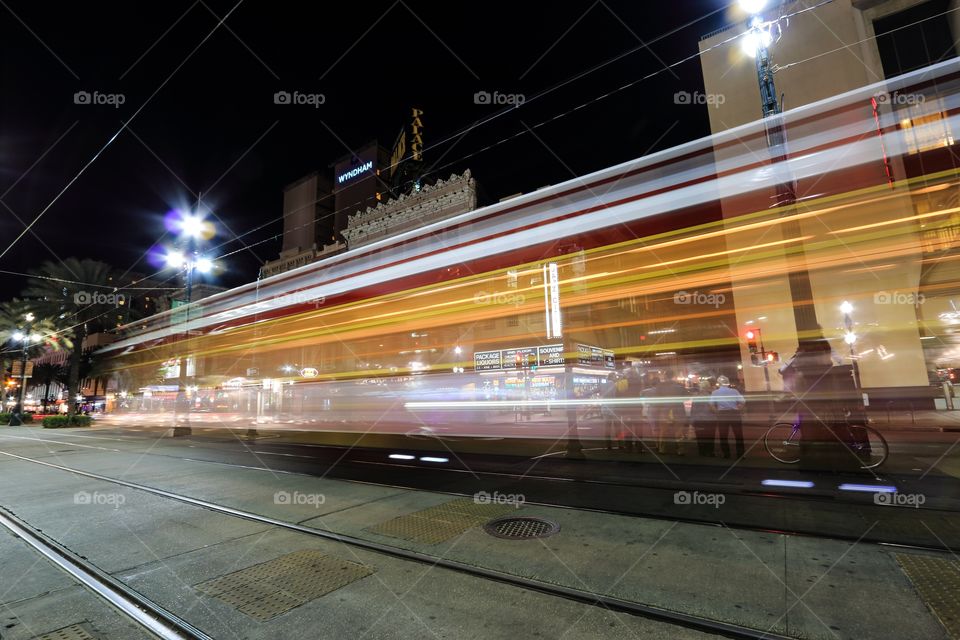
871, 447
782, 441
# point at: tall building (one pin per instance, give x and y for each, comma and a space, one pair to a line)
308, 224
368, 194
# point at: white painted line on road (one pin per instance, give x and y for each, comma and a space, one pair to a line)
66, 444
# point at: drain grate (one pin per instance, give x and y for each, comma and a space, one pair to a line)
73, 632
267, 590
441, 522
521, 528
938, 581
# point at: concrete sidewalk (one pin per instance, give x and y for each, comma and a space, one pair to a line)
802, 587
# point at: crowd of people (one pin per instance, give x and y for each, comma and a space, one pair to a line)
665, 412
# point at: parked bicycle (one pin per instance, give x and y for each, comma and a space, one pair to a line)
782, 441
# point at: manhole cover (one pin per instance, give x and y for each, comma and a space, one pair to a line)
938, 581
441, 522
73, 632
521, 528
266, 590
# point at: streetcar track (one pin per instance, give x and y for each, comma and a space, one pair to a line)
747, 492
148, 614
570, 593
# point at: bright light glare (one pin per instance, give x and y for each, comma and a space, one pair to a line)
432, 459
402, 456
846, 307
192, 226
35, 337
867, 488
19, 335
752, 6
175, 259
754, 39
850, 337
204, 265
796, 484
29, 317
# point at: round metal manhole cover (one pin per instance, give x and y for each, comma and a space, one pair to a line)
521, 528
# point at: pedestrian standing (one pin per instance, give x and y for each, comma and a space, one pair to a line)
704, 421
727, 405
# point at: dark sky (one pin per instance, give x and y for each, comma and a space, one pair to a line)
212, 125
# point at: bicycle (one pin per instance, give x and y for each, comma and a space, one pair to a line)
782, 442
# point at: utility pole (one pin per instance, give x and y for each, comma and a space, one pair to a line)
801, 292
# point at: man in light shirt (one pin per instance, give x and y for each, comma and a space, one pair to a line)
727, 403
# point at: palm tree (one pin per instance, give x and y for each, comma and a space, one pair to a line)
26, 334
47, 374
83, 295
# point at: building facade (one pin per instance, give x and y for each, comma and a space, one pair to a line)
897, 350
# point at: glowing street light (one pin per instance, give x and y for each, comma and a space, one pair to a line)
192, 228
846, 308
752, 7
175, 259
757, 38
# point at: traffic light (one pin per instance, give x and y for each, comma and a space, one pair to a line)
752, 336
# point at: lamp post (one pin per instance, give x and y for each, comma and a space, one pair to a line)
850, 337
756, 43
192, 228
24, 338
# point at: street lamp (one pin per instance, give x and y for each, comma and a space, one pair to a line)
192, 228
24, 338
756, 43
850, 338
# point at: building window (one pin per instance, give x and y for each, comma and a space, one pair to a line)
914, 38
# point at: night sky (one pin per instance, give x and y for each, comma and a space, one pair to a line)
212, 125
